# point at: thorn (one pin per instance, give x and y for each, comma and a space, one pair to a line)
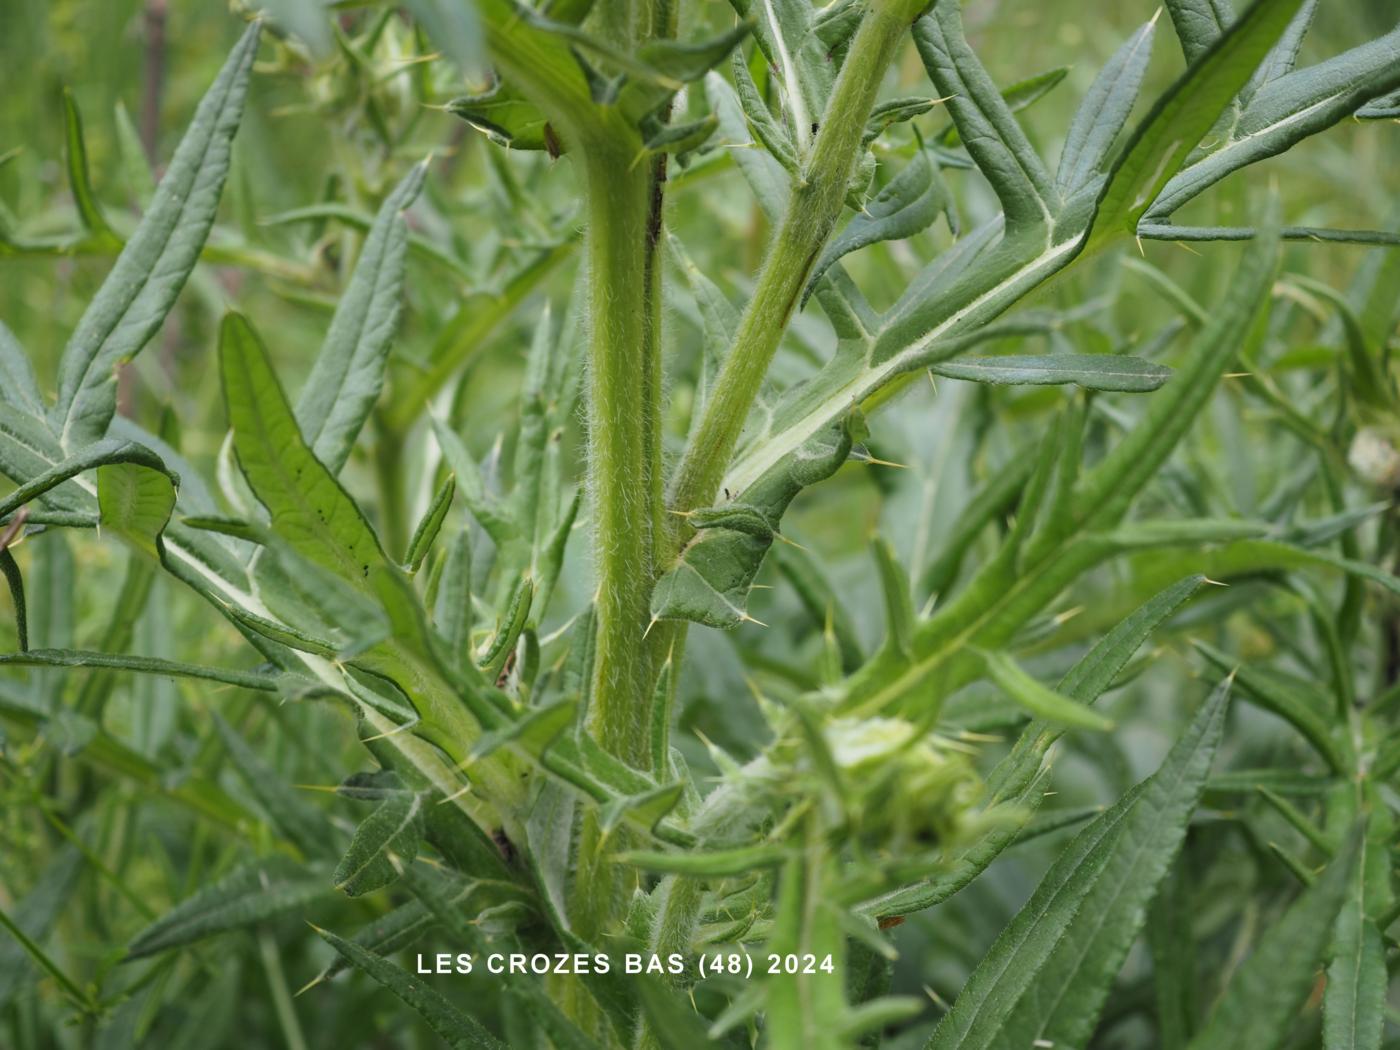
465, 789
1139, 244
393, 732
938, 1000
1214, 583
311, 983
874, 462
1067, 615
1157, 15
746, 618
791, 543
1236, 375
653, 623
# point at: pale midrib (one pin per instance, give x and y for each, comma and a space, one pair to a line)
777, 448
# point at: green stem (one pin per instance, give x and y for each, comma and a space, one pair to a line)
622, 445
813, 208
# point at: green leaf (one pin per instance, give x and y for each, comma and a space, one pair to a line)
427, 531
507, 118
1287, 110
1291, 699
783, 31
1048, 974
301, 823
1353, 1007
18, 387
308, 507
1091, 371
106, 452
900, 616
135, 502
1260, 1005
348, 373
14, 579
709, 582
1198, 24
985, 121
1103, 112
760, 118
150, 271
1040, 701
885, 115
79, 180
386, 842
1014, 782
911, 202
682, 138
1105, 493
508, 630
458, 1030
245, 896
1184, 114
494, 515
1020, 95
806, 1010
267, 683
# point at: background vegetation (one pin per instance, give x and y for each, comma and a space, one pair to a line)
124, 795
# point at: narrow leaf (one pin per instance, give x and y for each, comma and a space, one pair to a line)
1260, 1006
152, 268
1091, 371
1045, 979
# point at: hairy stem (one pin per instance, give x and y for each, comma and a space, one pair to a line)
813, 208
623, 448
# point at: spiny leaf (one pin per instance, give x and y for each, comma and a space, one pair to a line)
1185, 113
1103, 112
245, 896
985, 121
349, 370
1261, 1003
1091, 371
289, 811
458, 1030
1044, 703
388, 839
1287, 110
152, 268
267, 683
912, 201
1020, 95
1105, 493
709, 583
1047, 975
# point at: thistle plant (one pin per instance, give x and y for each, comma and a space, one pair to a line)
519, 631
